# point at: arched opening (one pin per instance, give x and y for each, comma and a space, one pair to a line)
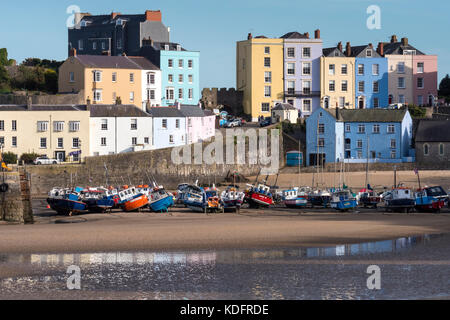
426, 149
361, 102
430, 100
391, 99
441, 149
326, 102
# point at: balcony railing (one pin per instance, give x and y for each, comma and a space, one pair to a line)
302, 93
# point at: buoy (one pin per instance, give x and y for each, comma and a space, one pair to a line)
48, 206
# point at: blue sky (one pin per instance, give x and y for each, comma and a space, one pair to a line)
38, 28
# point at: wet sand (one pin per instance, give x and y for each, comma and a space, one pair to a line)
184, 230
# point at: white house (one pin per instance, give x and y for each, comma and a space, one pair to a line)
119, 128
169, 127
284, 111
151, 82
200, 124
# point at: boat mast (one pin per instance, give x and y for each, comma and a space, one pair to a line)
317, 155
367, 164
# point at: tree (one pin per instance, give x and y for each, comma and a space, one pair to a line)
9, 158
28, 157
444, 87
416, 112
4, 61
4, 80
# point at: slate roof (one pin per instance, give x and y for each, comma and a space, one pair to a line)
294, 35
116, 62
192, 111
172, 46
101, 20
327, 52
398, 48
433, 131
37, 107
284, 106
367, 115
166, 112
357, 50
124, 110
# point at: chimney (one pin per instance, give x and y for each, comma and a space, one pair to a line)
178, 105
29, 103
380, 49
348, 50
404, 41
370, 46
394, 39
307, 35
317, 34
339, 46
114, 15
73, 52
151, 15
249, 36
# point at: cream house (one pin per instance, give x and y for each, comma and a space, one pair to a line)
57, 131
106, 79
284, 112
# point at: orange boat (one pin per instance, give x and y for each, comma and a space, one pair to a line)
136, 203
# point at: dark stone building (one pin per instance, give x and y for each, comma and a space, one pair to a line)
229, 99
433, 144
117, 33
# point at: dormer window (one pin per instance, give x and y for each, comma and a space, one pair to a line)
166, 47
369, 53
178, 47
119, 22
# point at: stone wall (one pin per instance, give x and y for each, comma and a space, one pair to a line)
58, 99
433, 159
229, 98
15, 204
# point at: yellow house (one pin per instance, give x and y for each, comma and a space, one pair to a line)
259, 74
337, 79
104, 79
57, 131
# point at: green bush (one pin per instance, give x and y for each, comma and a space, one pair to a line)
416, 111
9, 158
28, 157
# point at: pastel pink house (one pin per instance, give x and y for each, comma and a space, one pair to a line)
200, 124
425, 79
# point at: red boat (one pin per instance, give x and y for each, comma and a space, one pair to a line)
259, 196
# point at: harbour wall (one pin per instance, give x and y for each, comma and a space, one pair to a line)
15, 203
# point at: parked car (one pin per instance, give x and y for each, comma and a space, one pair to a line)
234, 123
45, 160
266, 122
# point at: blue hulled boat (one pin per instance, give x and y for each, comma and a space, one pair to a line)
160, 200
68, 203
343, 201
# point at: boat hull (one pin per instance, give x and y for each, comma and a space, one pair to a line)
66, 206
296, 203
258, 199
344, 204
400, 203
161, 204
429, 204
232, 203
135, 203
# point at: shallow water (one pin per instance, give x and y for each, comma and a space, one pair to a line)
415, 267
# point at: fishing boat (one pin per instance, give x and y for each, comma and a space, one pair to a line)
320, 198
431, 199
369, 198
399, 199
259, 195
194, 198
295, 198
343, 200
68, 203
203, 200
131, 200
232, 198
181, 193
160, 200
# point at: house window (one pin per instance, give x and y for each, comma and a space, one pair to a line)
71, 77
306, 87
267, 62
97, 76
171, 138
291, 87
265, 107
420, 67
376, 128
393, 154
134, 141
170, 78
180, 93
2, 125
376, 102
75, 143
360, 69
344, 85
420, 100
180, 78
150, 78
189, 123
267, 91
14, 125
146, 140
103, 142
341, 102
119, 44
426, 149
331, 68
268, 76
104, 124
180, 63
291, 68
177, 123
14, 142
306, 68
401, 98
359, 144
401, 67
42, 126
103, 46
132, 96
306, 105
361, 128
420, 83
361, 85
344, 69
369, 53
169, 93
58, 126
2, 141
190, 94
190, 64
375, 69
133, 124
60, 144
376, 87
164, 123
441, 149
347, 128
291, 52
114, 77
97, 95
306, 52
132, 77
74, 126
321, 129
170, 63
190, 78
321, 142
391, 128
331, 85
393, 144
150, 94
94, 45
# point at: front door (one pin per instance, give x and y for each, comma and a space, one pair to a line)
60, 156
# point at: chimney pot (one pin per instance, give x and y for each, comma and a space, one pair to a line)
405, 41
249, 36
73, 52
380, 49
307, 35
317, 34
394, 39
114, 15
339, 46
348, 50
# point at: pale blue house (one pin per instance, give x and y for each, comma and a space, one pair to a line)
354, 136
169, 127
180, 72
